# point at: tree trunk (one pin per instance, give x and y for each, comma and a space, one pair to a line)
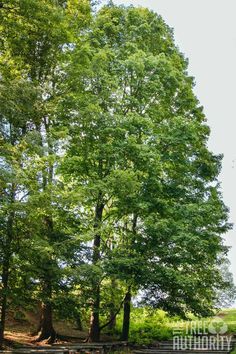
112, 323
94, 331
5, 272
79, 325
46, 330
112, 316
127, 301
126, 318
5, 278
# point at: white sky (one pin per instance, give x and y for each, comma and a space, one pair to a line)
205, 31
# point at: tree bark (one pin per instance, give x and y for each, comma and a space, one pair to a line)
79, 325
5, 271
5, 279
94, 330
112, 315
46, 330
126, 317
112, 323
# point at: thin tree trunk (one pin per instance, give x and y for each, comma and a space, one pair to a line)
111, 319
5, 271
126, 317
127, 301
79, 325
5, 279
94, 330
112, 315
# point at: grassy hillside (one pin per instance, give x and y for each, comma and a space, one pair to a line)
229, 316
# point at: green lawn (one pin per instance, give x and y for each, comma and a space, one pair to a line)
229, 316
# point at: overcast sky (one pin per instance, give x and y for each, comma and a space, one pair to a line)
205, 31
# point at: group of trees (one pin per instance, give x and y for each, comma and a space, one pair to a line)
107, 187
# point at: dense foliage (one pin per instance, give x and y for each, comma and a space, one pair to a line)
107, 187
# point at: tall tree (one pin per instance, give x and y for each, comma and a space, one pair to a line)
138, 148
35, 37
104, 164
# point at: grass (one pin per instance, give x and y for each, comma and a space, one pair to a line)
229, 317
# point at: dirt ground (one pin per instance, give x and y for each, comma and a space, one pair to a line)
19, 331
21, 326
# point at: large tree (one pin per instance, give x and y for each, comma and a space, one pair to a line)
34, 41
107, 184
137, 154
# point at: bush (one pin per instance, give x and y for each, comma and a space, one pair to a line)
148, 325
